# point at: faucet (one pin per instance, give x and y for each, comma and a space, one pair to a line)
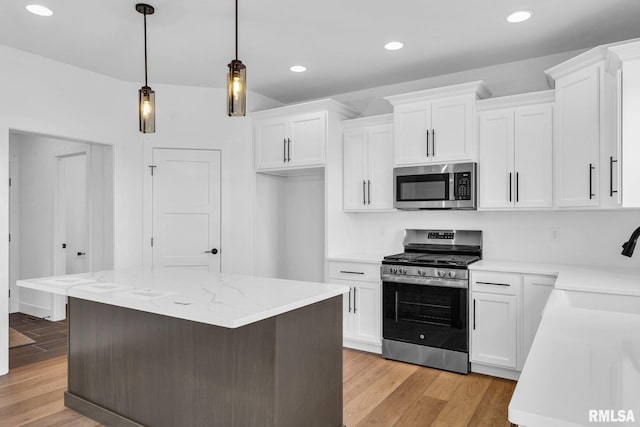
630, 245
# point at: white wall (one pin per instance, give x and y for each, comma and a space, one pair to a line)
290, 227
190, 117
270, 242
503, 79
304, 228
50, 98
585, 237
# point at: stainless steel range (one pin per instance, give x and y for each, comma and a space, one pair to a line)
425, 298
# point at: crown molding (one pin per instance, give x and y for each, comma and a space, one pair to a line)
476, 88
513, 101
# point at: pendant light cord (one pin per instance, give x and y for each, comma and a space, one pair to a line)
145, 47
236, 30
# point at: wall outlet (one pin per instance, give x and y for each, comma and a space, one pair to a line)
554, 234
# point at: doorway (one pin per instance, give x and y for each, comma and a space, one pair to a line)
61, 215
186, 209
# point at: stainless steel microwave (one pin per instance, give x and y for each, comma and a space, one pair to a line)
445, 186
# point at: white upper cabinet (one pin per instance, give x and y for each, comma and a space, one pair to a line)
588, 154
577, 136
436, 125
295, 137
368, 164
516, 140
623, 63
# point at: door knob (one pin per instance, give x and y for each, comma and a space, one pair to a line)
81, 253
212, 251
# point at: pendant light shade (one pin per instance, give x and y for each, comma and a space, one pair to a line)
237, 83
146, 95
237, 88
147, 107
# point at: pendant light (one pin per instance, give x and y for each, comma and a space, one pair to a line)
237, 82
146, 95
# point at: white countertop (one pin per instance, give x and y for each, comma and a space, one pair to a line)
585, 356
607, 280
226, 300
369, 258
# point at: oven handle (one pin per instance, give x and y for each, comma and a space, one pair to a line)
461, 284
396, 307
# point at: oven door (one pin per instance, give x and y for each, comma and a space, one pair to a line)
426, 315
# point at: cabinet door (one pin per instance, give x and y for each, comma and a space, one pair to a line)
494, 329
630, 127
347, 308
355, 148
577, 137
452, 129
308, 139
610, 142
380, 167
411, 122
270, 144
534, 156
367, 310
535, 293
496, 159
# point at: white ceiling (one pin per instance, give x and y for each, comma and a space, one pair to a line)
339, 41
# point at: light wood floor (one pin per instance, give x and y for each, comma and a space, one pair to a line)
377, 392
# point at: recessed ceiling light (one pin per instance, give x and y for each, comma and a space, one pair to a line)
298, 68
40, 10
394, 45
519, 16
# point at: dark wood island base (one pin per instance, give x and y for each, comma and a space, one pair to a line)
132, 368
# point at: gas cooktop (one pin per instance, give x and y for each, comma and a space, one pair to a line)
431, 259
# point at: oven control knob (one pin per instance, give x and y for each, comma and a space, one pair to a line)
421, 272
441, 273
452, 274
402, 270
393, 270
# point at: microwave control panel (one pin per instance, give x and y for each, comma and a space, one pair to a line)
462, 187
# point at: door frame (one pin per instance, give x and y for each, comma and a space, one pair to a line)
147, 201
7, 127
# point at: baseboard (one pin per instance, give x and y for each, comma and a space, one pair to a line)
35, 310
494, 371
97, 413
362, 346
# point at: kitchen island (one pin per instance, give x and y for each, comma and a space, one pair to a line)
189, 348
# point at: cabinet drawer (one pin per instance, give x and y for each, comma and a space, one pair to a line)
361, 272
496, 283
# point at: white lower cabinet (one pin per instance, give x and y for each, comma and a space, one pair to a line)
362, 306
494, 332
505, 312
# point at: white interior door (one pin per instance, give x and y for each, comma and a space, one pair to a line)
72, 192
186, 209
